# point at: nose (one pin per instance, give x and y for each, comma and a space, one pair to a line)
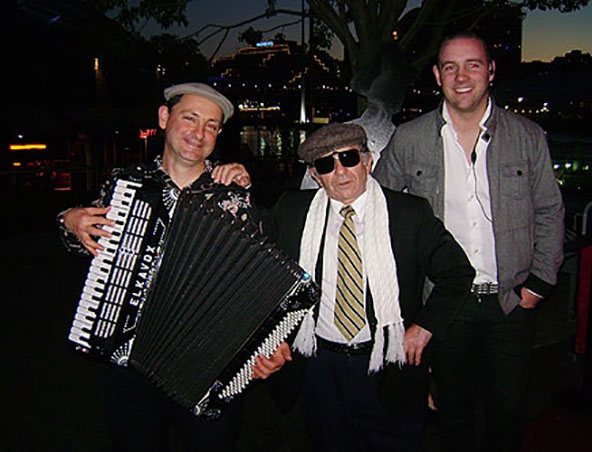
339, 168
199, 129
461, 73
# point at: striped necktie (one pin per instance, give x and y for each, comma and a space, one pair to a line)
349, 299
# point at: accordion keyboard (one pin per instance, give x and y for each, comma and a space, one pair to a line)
110, 270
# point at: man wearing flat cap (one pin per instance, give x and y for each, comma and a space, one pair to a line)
139, 415
358, 359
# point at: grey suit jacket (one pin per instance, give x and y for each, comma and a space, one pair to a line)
527, 207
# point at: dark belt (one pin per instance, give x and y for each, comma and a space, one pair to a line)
361, 348
485, 288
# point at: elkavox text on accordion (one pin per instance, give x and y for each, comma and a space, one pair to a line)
187, 295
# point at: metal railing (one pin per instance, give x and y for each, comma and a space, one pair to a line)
581, 219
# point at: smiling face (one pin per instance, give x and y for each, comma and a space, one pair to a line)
191, 128
464, 72
345, 184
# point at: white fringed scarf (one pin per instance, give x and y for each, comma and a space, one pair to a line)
382, 276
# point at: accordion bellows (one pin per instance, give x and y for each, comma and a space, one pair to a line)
198, 316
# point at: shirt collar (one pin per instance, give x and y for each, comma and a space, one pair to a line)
159, 171
484, 118
359, 205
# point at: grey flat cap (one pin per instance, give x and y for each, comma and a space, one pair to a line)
205, 91
331, 137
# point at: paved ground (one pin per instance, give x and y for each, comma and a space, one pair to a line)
51, 397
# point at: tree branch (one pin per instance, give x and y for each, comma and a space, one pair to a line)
225, 29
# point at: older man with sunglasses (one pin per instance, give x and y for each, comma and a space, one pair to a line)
357, 361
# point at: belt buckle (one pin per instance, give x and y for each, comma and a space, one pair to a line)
353, 349
488, 288
345, 349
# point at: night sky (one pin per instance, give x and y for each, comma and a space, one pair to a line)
546, 34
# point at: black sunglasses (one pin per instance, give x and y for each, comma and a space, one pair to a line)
348, 158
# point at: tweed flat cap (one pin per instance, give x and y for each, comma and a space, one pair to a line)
205, 91
331, 137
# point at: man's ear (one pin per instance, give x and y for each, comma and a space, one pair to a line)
437, 74
163, 116
369, 159
491, 71
315, 176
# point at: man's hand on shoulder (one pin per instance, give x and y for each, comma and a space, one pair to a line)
232, 172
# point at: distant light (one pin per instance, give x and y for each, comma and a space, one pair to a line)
145, 133
16, 164
395, 35
27, 147
520, 99
568, 165
264, 44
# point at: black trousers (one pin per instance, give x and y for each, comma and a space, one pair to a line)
485, 353
140, 418
342, 411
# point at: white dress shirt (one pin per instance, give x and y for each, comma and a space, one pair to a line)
325, 326
467, 206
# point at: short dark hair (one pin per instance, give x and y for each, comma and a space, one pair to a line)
463, 35
173, 101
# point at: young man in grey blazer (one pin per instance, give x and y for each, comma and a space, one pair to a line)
488, 175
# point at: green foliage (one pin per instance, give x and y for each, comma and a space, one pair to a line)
564, 6
133, 15
178, 59
251, 36
322, 36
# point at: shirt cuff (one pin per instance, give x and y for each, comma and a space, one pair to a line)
534, 293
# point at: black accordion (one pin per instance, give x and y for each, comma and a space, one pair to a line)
188, 302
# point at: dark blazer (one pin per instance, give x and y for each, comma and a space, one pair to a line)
422, 248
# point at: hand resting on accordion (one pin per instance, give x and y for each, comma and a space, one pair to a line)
264, 366
88, 224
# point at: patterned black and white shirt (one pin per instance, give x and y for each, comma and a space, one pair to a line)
233, 198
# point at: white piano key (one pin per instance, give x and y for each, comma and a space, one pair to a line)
86, 317
75, 338
79, 332
89, 301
